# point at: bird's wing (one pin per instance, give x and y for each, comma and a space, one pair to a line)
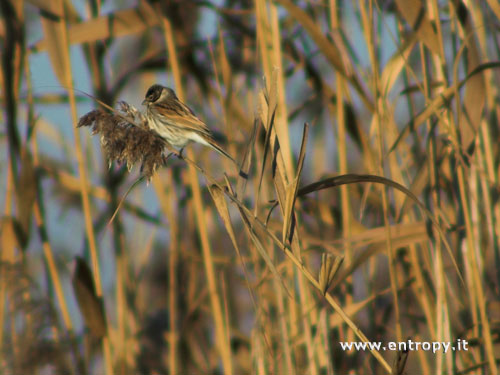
181, 116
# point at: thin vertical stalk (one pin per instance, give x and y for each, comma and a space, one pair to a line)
166, 199
220, 336
378, 119
68, 82
478, 304
420, 287
281, 123
40, 223
289, 367
441, 311
342, 159
471, 258
6, 250
54, 274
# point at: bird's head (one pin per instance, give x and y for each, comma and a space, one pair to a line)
158, 93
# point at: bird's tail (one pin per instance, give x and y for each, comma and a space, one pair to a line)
219, 149
210, 142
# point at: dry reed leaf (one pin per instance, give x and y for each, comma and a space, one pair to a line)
444, 97
267, 112
71, 183
366, 253
475, 92
247, 216
90, 305
395, 65
272, 99
70, 11
273, 144
246, 162
379, 246
398, 368
415, 14
225, 67
418, 185
9, 236
353, 178
44, 6
358, 134
431, 109
54, 31
247, 219
278, 170
495, 7
117, 24
288, 215
221, 205
330, 264
352, 309
292, 189
402, 235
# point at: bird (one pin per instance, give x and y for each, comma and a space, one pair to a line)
175, 122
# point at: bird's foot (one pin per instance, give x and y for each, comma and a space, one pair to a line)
179, 155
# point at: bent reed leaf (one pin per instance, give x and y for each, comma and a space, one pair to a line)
355, 178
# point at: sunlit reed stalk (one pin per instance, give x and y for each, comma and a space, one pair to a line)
219, 319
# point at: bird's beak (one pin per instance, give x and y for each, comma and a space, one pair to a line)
144, 102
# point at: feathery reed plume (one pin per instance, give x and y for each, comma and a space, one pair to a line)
125, 137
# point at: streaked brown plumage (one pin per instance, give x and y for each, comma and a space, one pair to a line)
176, 122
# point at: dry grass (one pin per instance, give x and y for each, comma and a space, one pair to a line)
365, 207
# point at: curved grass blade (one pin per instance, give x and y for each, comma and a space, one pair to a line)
355, 178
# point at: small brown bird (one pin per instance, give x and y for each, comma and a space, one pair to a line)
176, 122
